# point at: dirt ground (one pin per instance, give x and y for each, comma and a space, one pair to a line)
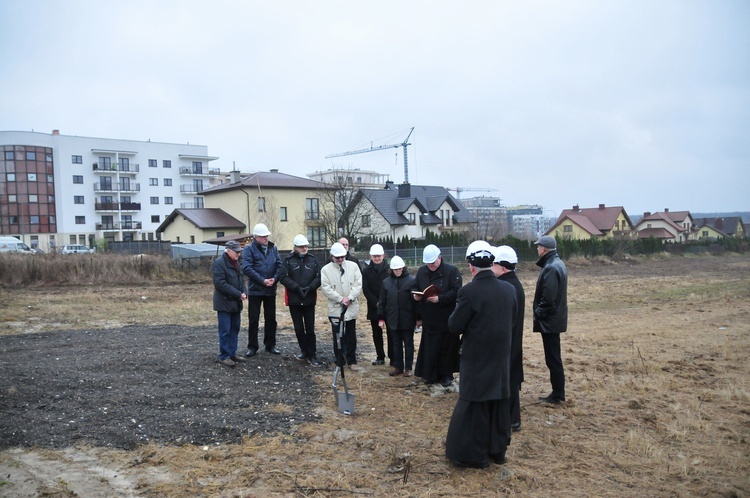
116, 392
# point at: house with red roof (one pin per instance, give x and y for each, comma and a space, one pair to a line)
667, 226
592, 223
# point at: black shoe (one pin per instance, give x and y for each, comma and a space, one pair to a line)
238, 359
552, 400
300, 356
251, 352
379, 361
314, 362
446, 381
515, 427
499, 459
273, 350
471, 465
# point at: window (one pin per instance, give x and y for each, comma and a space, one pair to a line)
198, 167
154, 200
154, 182
154, 218
316, 236
12, 198
105, 163
568, 228
31, 156
152, 163
77, 159
78, 179
31, 177
11, 177
365, 220
14, 220
311, 209
261, 204
50, 179
705, 233
168, 200
9, 156
80, 220
52, 219
167, 182
77, 199
412, 218
33, 198
34, 220
166, 163
51, 199
72, 239
219, 234
48, 157
282, 214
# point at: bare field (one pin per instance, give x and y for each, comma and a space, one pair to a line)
658, 386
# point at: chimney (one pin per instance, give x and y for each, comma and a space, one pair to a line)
576, 207
601, 206
404, 190
719, 224
274, 170
666, 210
55, 132
389, 185
646, 213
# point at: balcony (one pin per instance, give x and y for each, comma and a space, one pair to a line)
131, 169
120, 187
191, 189
128, 169
117, 206
191, 205
116, 227
193, 171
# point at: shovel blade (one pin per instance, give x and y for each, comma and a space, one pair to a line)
345, 403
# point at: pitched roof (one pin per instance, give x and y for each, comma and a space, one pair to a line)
204, 218
678, 216
657, 233
727, 225
580, 220
267, 179
602, 217
660, 217
427, 198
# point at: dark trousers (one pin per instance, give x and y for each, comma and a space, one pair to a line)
348, 342
515, 404
554, 362
303, 318
403, 348
269, 321
377, 340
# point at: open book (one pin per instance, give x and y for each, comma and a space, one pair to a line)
430, 291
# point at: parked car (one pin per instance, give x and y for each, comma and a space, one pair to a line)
76, 249
12, 244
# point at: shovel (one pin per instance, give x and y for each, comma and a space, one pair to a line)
345, 400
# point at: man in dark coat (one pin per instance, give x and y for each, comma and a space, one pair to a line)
300, 277
229, 292
551, 312
437, 358
504, 268
261, 265
479, 430
372, 281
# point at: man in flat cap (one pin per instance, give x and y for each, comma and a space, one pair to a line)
229, 292
551, 313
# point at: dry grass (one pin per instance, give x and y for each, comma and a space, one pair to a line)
658, 388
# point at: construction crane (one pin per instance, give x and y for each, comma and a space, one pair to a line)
403, 144
458, 190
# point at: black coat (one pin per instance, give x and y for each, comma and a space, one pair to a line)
551, 296
298, 272
395, 304
448, 279
484, 316
228, 285
372, 281
516, 348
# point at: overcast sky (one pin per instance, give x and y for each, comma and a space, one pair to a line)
642, 104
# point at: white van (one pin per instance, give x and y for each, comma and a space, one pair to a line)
12, 244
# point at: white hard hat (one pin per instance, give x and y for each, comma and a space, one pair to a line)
430, 254
397, 262
300, 240
338, 250
505, 253
479, 254
261, 230
376, 250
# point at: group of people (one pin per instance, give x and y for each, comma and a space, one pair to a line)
476, 329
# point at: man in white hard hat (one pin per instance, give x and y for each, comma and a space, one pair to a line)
551, 313
504, 268
437, 358
261, 265
300, 277
479, 430
373, 275
341, 282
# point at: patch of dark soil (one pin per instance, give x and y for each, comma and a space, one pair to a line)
126, 387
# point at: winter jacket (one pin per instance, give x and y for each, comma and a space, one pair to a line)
228, 285
396, 305
551, 296
257, 267
449, 280
336, 286
298, 273
372, 281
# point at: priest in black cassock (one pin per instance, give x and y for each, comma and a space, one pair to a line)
479, 430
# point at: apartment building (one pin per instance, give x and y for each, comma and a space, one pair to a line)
59, 189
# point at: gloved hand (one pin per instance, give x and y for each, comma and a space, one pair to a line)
303, 291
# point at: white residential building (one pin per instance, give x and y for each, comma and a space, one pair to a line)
58, 189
